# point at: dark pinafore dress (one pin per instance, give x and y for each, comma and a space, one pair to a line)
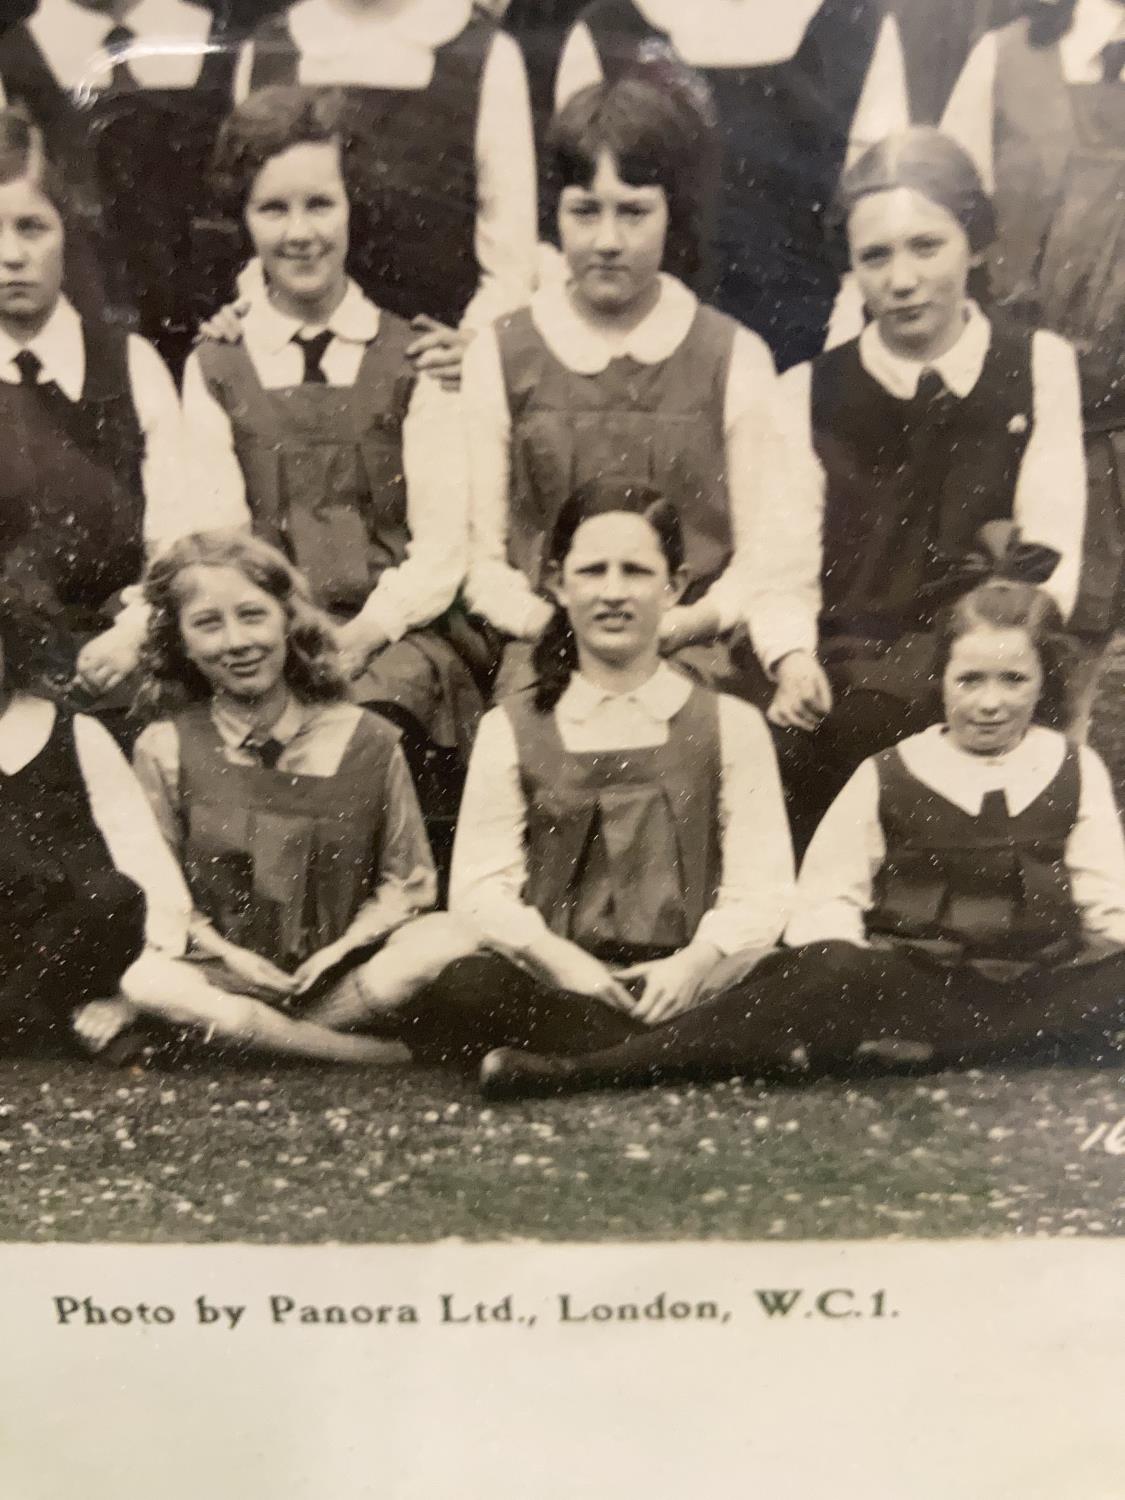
656, 424
1059, 261
149, 251
324, 482
73, 468
991, 891
279, 863
70, 922
784, 131
414, 215
622, 845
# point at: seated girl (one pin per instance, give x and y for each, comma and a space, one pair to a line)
909, 449
313, 428
84, 873
290, 809
966, 891
619, 372
622, 844
93, 441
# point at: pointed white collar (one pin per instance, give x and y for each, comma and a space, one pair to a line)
959, 366
356, 321
59, 348
170, 45
732, 33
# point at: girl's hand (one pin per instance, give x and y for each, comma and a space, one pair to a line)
672, 984
804, 696
357, 642
437, 351
573, 969
225, 326
258, 971
105, 661
317, 965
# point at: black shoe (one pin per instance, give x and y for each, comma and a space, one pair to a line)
507, 1073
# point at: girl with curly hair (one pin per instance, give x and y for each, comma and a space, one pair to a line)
290, 809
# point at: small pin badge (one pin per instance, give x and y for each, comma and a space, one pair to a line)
1018, 423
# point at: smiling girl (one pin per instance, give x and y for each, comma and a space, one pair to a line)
938, 436
314, 428
620, 372
622, 843
966, 891
291, 810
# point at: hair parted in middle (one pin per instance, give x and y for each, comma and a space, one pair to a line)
170, 681
555, 654
658, 136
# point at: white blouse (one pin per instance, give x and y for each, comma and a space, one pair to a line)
490, 867
500, 592
836, 887
1050, 500
433, 457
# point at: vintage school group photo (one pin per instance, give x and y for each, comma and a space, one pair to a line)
557, 549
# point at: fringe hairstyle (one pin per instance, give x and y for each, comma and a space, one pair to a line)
1004, 604
23, 154
170, 681
555, 654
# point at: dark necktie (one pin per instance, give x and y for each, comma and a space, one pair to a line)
931, 388
1113, 61
313, 351
29, 365
122, 79
993, 816
268, 751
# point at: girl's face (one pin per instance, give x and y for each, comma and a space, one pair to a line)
297, 216
612, 235
615, 586
911, 259
233, 631
31, 255
990, 689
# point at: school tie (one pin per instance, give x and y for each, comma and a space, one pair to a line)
29, 365
116, 44
313, 351
931, 388
267, 751
994, 816
1113, 60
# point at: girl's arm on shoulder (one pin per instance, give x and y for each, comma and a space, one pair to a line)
837, 880
132, 834
1095, 853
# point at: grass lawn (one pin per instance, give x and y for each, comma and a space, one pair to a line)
217, 1150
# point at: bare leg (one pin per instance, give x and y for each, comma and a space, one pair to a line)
173, 991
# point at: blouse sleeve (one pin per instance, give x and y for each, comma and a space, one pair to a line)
883, 107
756, 891
489, 869
1095, 854
579, 66
836, 885
134, 841
218, 490
970, 113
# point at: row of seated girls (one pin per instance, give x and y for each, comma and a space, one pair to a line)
647, 516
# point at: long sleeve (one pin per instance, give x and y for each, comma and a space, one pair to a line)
884, 107
755, 895
434, 463
407, 883
494, 588
785, 548
489, 868
753, 465
836, 884
156, 765
1095, 854
579, 66
1050, 500
218, 490
132, 836
506, 187
970, 113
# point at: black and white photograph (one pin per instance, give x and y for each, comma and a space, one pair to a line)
562, 673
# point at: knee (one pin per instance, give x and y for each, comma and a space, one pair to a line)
443, 936
836, 962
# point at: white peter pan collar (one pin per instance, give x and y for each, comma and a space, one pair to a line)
1096, 23
235, 728
960, 367
587, 350
663, 695
58, 346
375, 47
25, 727
732, 33
171, 43
963, 779
355, 321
